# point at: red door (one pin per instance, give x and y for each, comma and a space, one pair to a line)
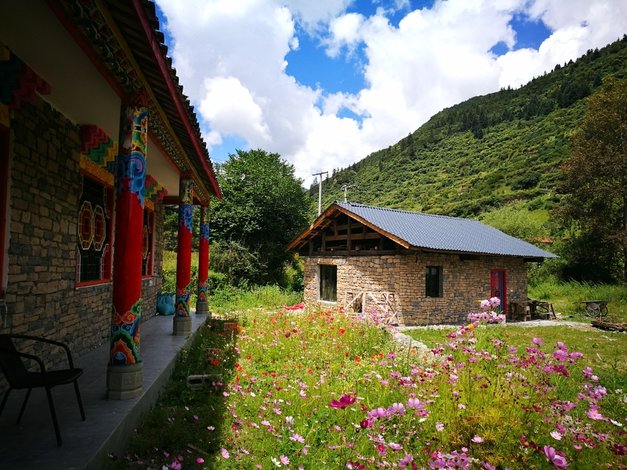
498, 287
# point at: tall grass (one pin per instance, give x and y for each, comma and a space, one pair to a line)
567, 297
230, 299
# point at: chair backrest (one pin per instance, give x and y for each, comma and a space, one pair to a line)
10, 363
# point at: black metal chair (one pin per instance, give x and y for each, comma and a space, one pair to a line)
19, 377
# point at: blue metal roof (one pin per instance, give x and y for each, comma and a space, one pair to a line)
439, 232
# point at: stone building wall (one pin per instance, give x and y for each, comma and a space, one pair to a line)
465, 283
42, 297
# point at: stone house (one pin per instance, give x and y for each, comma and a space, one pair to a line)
419, 268
96, 136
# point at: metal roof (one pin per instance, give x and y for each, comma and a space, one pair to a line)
442, 233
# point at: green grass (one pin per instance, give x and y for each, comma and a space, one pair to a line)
283, 371
604, 351
567, 297
231, 299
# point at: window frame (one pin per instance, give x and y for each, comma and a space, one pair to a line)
107, 276
324, 271
434, 281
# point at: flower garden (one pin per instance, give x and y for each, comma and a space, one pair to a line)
321, 389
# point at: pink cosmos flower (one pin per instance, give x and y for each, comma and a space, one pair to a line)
557, 458
414, 403
377, 413
405, 461
344, 402
297, 438
284, 460
556, 435
225, 453
495, 302
176, 465
587, 373
477, 439
537, 341
593, 413
396, 409
439, 427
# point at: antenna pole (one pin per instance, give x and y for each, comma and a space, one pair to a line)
319, 174
346, 187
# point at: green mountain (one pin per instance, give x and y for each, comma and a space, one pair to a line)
494, 157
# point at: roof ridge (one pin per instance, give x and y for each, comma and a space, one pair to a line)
390, 209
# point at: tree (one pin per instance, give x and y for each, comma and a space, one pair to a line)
263, 208
594, 181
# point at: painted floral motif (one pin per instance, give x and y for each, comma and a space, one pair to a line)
125, 336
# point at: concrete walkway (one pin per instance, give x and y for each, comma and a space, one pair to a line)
86, 444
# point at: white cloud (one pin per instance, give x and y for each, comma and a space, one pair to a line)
231, 58
230, 107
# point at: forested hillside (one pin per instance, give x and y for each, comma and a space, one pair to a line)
492, 156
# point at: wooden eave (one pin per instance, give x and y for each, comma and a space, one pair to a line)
132, 26
326, 219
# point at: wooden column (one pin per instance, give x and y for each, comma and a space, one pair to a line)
124, 373
202, 307
182, 320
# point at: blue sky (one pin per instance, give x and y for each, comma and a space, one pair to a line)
325, 83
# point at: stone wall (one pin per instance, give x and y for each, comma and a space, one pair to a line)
465, 283
42, 298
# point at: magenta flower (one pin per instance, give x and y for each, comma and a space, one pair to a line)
366, 423
537, 341
344, 402
225, 453
556, 457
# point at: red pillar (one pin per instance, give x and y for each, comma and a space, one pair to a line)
202, 307
182, 320
124, 373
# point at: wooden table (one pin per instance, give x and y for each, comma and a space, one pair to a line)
595, 308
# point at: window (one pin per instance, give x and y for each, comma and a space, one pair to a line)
328, 283
147, 249
433, 281
94, 232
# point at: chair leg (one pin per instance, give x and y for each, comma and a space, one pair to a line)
80, 401
54, 417
4, 400
19, 418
